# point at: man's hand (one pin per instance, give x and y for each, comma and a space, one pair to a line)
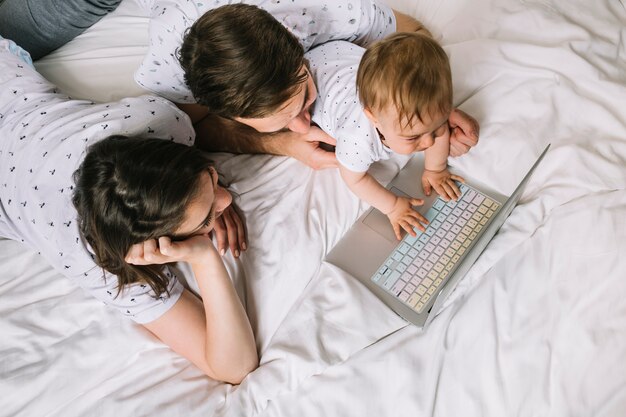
230, 232
404, 216
443, 183
307, 148
464, 131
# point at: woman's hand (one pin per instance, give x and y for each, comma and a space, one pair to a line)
230, 232
404, 216
196, 249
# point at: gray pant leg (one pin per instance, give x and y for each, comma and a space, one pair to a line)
41, 26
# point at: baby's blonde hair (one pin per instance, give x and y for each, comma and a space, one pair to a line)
408, 70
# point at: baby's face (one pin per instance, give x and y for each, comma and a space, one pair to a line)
404, 138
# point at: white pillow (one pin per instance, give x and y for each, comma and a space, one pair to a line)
99, 64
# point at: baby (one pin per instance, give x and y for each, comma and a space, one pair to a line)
405, 88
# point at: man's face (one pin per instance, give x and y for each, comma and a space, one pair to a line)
404, 138
294, 115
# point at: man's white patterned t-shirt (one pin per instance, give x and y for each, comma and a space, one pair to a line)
313, 22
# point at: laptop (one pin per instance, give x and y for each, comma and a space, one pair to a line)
414, 276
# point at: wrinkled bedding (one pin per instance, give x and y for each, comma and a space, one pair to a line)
536, 328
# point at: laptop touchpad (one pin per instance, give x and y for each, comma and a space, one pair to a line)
379, 222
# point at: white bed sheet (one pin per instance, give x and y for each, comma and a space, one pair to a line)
536, 328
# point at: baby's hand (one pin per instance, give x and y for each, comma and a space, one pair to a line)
404, 216
443, 183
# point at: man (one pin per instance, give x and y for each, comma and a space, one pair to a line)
269, 71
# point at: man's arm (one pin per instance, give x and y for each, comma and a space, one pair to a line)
216, 134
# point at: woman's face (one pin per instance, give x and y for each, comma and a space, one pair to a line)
202, 212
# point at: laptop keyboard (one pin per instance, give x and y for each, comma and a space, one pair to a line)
419, 265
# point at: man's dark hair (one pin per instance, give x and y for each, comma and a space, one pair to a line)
241, 62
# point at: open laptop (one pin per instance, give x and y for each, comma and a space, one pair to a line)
414, 276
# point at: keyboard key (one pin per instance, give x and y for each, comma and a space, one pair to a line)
466, 215
439, 250
446, 210
401, 267
482, 209
439, 204
417, 262
469, 196
424, 238
422, 273
404, 296
403, 248
440, 233
418, 246
410, 240
412, 269
450, 251
419, 306
433, 258
397, 256
408, 258
488, 202
427, 265
391, 279
438, 267
431, 290
431, 214
471, 223
398, 287
444, 259
462, 205
413, 299
434, 240
421, 290
441, 217
427, 282
444, 243
478, 199
446, 225
452, 218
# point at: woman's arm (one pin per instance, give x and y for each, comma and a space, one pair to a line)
214, 333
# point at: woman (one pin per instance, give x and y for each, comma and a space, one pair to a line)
108, 208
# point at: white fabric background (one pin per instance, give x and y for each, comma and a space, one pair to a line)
536, 328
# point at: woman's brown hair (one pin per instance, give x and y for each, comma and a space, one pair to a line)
129, 190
